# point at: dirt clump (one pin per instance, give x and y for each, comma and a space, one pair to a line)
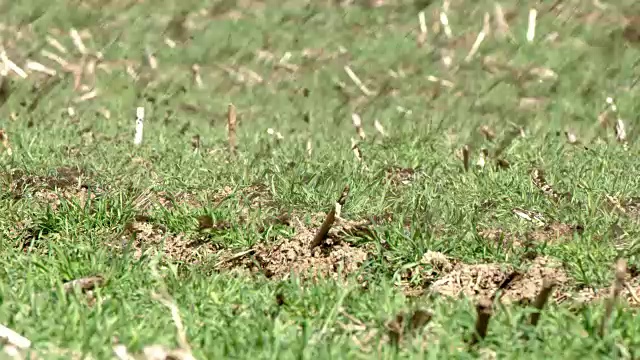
69, 183
251, 197
632, 207
630, 291
414, 280
549, 233
502, 238
553, 233
181, 198
482, 280
397, 176
150, 199
334, 258
142, 235
438, 260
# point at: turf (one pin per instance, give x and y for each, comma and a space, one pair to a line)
79, 199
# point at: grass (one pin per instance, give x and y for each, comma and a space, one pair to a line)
79, 199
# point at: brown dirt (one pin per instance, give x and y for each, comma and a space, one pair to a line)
55, 199
551, 234
397, 176
68, 184
500, 237
334, 258
630, 293
414, 280
254, 196
162, 199
146, 235
554, 233
632, 207
482, 280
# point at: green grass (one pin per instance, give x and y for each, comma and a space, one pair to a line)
235, 314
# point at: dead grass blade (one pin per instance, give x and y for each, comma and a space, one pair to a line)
379, 128
56, 44
531, 27
156, 351
357, 123
13, 344
234, 257
11, 337
77, 41
38, 67
10, 65
356, 150
479, 39
87, 96
422, 36
330, 219
538, 179
356, 80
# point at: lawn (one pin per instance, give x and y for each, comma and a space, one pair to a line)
384, 179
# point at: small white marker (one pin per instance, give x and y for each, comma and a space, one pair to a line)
77, 41
357, 123
423, 22
475, 46
444, 20
531, 29
379, 128
137, 140
612, 104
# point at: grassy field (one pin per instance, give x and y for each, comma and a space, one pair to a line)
480, 176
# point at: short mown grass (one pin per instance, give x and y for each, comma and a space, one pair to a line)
283, 67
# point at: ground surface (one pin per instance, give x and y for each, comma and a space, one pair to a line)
226, 239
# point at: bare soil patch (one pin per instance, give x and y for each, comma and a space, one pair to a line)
398, 176
632, 207
552, 233
483, 280
452, 278
141, 235
69, 183
630, 292
149, 199
334, 258
251, 197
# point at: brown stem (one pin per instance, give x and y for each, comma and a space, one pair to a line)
482, 323
231, 122
541, 300
329, 220
465, 157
